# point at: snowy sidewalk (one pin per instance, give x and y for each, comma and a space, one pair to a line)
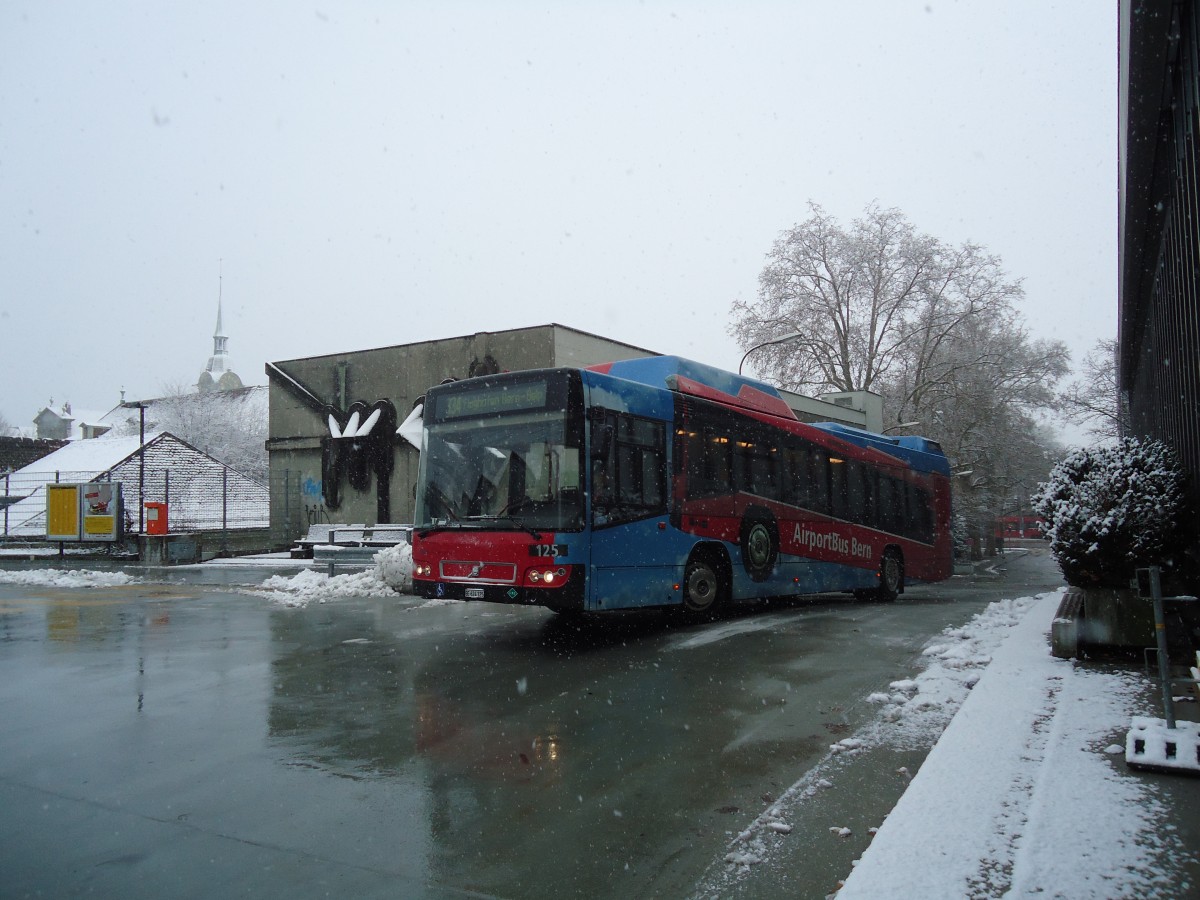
1027, 791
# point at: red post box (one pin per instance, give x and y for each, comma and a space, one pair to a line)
156, 518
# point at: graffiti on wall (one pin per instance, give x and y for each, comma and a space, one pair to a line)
361, 441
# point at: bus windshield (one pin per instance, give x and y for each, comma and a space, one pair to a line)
508, 470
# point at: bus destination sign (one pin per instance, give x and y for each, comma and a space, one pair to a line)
489, 401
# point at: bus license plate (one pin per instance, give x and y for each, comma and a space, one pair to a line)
474, 593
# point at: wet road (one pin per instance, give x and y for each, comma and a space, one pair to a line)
187, 741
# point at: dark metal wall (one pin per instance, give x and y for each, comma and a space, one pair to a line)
1160, 224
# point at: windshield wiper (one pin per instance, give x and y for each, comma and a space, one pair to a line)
454, 523
508, 517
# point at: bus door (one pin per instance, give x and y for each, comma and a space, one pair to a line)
633, 560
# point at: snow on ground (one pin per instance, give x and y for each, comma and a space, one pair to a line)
1024, 792
391, 575
72, 578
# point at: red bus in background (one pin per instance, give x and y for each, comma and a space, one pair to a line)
1023, 526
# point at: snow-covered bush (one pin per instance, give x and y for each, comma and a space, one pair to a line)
1112, 509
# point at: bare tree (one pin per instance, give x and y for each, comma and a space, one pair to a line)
930, 327
1093, 399
865, 301
6, 427
230, 426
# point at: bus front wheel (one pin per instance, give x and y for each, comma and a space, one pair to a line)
701, 587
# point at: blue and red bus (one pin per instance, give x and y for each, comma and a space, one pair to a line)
664, 482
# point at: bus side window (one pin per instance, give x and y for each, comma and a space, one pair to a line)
818, 481
743, 467
903, 505
870, 495
631, 482
718, 468
860, 493
839, 487
920, 514
762, 467
891, 505
788, 484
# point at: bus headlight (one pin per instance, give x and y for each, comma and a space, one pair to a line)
547, 577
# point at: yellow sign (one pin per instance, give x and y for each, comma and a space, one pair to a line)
99, 525
83, 512
62, 512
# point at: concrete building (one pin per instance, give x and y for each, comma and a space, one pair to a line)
54, 426
321, 405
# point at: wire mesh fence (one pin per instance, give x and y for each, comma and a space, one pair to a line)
214, 497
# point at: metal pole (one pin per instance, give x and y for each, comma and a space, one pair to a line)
6, 478
224, 509
142, 469
1160, 630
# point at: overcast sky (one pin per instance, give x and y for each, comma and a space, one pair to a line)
368, 174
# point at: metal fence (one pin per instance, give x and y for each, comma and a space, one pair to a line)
209, 499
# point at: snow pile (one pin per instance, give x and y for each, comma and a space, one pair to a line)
72, 578
392, 574
394, 565
1113, 508
311, 586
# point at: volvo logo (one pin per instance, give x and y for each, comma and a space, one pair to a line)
475, 570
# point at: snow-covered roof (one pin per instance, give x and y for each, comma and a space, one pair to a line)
96, 455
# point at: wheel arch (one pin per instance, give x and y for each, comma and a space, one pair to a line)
715, 554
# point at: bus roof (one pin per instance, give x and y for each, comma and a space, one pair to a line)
686, 376
920, 453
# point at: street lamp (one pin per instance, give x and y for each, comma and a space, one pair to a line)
791, 335
141, 408
901, 425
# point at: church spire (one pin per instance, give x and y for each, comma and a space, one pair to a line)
218, 374
220, 341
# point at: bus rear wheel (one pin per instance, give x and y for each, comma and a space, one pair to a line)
702, 587
891, 577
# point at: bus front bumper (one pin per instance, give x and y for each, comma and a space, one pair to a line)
565, 597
